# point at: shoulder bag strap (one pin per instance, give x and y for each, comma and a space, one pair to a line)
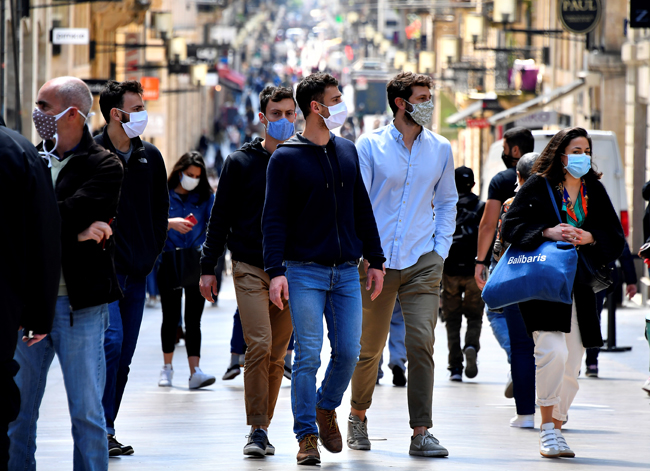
550, 192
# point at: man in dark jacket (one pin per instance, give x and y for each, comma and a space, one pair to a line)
87, 180
461, 296
236, 219
32, 263
140, 234
317, 223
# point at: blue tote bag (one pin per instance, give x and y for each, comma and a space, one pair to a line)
545, 273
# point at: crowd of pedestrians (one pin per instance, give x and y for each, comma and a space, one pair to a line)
370, 236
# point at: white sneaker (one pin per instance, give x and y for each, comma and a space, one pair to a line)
565, 451
509, 392
646, 386
200, 379
523, 421
166, 375
548, 445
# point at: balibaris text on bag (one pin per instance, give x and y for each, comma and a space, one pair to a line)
524, 259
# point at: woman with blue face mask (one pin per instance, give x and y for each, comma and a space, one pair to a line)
190, 202
563, 176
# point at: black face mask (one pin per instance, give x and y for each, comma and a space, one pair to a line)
509, 160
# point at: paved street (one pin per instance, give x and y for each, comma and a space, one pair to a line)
177, 429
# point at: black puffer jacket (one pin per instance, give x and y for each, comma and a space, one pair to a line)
142, 217
531, 213
88, 190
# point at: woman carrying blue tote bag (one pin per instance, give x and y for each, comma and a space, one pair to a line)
561, 331
545, 273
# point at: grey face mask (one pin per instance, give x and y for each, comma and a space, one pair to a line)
422, 112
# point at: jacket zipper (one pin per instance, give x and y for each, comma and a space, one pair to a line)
336, 206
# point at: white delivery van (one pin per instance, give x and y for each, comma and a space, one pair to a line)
606, 158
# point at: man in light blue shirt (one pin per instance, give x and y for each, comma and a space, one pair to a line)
409, 174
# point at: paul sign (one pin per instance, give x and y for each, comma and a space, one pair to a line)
579, 16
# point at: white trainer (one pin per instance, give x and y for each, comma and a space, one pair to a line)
166, 375
200, 379
523, 421
548, 445
565, 451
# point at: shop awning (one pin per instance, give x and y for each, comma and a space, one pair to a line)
465, 113
231, 78
536, 104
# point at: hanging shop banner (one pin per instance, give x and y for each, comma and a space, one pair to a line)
151, 87
579, 16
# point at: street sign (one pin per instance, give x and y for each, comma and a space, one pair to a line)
151, 87
580, 16
477, 123
70, 36
639, 14
197, 53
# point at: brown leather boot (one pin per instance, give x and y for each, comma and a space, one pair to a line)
328, 429
308, 453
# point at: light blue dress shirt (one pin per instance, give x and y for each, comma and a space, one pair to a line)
413, 194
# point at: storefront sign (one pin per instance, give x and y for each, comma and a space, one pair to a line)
197, 53
639, 14
538, 120
151, 86
70, 36
478, 123
579, 16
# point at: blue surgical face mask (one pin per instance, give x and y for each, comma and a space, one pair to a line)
281, 129
578, 164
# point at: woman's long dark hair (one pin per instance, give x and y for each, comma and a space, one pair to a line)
188, 159
549, 163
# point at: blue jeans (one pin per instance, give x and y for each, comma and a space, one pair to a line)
80, 349
315, 290
396, 345
522, 365
500, 329
119, 343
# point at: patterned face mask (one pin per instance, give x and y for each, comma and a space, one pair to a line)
46, 126
422, 112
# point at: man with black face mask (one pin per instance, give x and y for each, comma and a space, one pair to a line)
516, 142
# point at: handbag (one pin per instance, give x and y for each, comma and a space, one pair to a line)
597, 278
180, 268
545, 273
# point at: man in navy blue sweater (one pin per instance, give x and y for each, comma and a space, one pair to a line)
317, 223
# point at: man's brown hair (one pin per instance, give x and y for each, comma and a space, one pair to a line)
274, 94
401, 86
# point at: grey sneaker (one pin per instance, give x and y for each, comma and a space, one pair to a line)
358, 433
427, 445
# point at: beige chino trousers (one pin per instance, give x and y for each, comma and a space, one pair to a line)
418, 288
267, 331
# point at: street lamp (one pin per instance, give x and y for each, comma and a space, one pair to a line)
505, 11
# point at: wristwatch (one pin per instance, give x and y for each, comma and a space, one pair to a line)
481, 262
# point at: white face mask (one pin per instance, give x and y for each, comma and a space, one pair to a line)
137, 123
338, 115
188, 183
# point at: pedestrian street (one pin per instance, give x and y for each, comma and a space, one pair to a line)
177, 429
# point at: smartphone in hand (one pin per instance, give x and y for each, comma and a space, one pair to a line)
191, 219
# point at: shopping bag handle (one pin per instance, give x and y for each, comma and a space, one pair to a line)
550, 192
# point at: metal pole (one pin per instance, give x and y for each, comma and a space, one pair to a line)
611, 326
15, 31
3, 15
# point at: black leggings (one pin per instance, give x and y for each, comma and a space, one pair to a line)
170, 300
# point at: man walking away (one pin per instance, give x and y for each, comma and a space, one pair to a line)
140, 233
317, 223
236, 220
409, 173
460, 295
516, 142
32, 261
87, 180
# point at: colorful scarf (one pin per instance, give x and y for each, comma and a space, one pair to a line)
576, 213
